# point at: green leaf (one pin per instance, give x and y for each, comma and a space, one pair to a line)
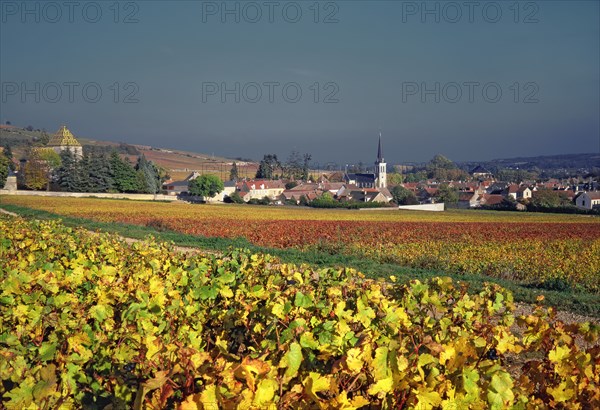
308, 341
47, 385
99, 312
292, 360
500, 395
47, 351
380, 365
302, 300
470, 377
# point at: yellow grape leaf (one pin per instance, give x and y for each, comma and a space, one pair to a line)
561, 393
278, 310
428, 399
447, 354
226, 292
356, 403
402, 363
190, 403
382, 387
157, 381
208, 398
152, 346
353, 360
315, 383
77, 341
265, 391
558, 354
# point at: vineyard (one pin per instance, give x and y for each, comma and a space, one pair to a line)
532, 249
89, 320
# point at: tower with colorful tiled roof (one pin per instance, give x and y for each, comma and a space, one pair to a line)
380, 168
64, 140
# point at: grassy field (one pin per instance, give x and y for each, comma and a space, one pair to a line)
557, 255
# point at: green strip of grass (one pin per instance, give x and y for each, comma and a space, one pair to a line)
580, 302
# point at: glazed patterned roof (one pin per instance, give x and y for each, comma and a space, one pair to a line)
63, 137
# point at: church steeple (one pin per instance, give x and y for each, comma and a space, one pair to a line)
380, 167
379, 154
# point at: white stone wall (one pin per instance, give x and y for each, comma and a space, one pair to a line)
139, 197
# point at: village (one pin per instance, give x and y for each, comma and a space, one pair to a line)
480, 190
452, 188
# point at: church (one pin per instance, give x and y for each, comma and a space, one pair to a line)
371, 180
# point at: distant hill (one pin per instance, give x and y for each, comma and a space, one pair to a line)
584, 162
179, 163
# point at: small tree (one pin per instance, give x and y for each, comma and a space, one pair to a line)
66, 175
205, 186
447, 194
394, 178
45, 138
233, 173
123, 174
267, 166
403, 196
4, 163
306, 166
36, 173
236, 198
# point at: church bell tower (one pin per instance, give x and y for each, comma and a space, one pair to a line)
380, 168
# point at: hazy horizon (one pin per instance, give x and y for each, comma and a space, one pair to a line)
241, 79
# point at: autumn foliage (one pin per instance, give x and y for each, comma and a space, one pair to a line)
90, 321
527, 248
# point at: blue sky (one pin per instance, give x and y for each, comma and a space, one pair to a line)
170, 74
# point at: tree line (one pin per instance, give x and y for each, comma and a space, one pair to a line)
297, 167
96, 171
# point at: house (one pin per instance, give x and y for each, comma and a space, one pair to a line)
411, 186
468, 199
524, 192
229, 187
497, 188
64, 140
427, 194
309, 191
490, 199
588, 200
511, 191
368, 195
332, 187
480, 172
260, 188
180, 187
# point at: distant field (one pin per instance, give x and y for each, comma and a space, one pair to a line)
552, 250
179, 163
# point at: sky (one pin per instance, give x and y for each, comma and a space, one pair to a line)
472, 80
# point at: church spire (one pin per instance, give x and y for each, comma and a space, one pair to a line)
379, 153
380, 168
